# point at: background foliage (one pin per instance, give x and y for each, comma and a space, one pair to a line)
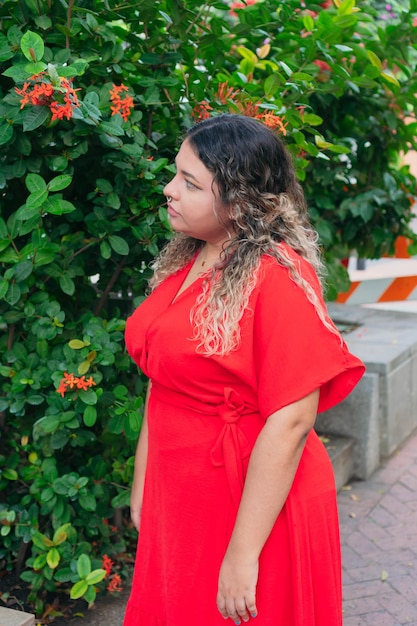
82, 215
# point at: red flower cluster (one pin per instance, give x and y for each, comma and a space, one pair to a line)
240, 5
107, 565
121, 105
69, 381
39, 91
115, 583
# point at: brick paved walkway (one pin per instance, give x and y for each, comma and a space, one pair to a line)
378, 520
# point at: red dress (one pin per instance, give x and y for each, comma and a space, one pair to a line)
204, 416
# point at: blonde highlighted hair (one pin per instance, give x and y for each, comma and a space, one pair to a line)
259, 191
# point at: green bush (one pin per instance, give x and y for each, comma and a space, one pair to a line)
93, 102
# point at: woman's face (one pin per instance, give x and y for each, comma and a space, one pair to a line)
193, 199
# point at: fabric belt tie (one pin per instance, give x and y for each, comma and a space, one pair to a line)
231, 446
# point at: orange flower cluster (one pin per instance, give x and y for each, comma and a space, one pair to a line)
273, 121
227, 94
69, 381
38, 91
115, 584
201, 111
121, 105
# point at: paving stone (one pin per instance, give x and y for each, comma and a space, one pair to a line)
10, 617
382, 538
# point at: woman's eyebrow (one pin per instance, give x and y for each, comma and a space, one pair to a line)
185, 173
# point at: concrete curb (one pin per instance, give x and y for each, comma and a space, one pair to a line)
10, 617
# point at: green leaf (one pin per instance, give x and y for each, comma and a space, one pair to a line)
59, 182
119, 244
52, 205
111, 129
9, 474
105, 250
6, 133
308, 22
25, 213
247, 54
121, 500
32, 46
61, 535
35, 68
22, 270
88, 502
134, 421
53, 558
77, 344
35, 117
391, 79
83, 367
83, 566
39, 562
312, 119
95, 576
90, 415
346, 7
13, 294
345, 21
3, 229
43, 21
48, 424
302, 76
272, 84
78, 590
374, 59
66, 207
35, 183
4, 286
41, 541
36, 199
90, 594
88, 397
45, 255
63, 575
67, 284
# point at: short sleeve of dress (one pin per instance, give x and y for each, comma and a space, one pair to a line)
295, 353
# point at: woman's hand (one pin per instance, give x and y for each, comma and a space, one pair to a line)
236, 597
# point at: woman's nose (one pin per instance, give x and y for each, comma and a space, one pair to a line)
171, 188
168, 190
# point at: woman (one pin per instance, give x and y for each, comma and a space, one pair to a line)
237, 511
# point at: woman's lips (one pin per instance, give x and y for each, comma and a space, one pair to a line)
172, 212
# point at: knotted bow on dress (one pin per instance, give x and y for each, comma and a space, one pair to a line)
231, 446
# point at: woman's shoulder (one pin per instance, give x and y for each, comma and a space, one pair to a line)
272, 269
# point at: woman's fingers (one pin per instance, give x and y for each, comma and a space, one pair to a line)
237, 610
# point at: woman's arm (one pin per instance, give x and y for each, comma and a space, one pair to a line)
140, 467
272, 467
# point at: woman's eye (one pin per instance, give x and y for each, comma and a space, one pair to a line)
189, 184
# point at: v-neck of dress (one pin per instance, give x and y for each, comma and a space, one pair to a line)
179, 293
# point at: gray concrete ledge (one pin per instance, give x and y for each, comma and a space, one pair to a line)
381, 413
10, 617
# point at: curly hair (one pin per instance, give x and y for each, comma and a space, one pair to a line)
259, 191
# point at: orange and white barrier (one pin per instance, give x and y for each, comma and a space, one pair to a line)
386, 280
